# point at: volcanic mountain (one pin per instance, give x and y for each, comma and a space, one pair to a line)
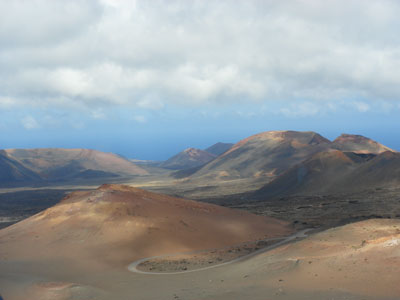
121, 223
358, 144
265, 154
12, 171
79, 249
61, 252
335, 171
187, 159
219, 148
61, 164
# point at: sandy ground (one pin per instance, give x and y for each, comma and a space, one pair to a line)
81, 248
354, 262
202, 259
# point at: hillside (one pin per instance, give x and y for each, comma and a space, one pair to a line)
63, 164
381, 171
187, 159
356, 261
124, 223
12, 171
358, 144
219, 148
267, 154
335, 172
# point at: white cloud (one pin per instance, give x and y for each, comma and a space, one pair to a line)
29, 123
98, 114
151, 102
302, 109
361, 106
140, 119
78, 125
149, 54
6, 102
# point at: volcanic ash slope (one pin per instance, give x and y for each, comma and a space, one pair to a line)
117, 224
360, 259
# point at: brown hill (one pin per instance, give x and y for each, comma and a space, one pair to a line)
12, 171
119, 224
311, 175
86, 241
356, 261
334, 172
219, 148
265, 154
187, 159
56, 163
358, 144
381, 171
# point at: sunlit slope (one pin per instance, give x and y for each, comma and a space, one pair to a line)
57, 163
358, 144
117, 224
359, 259
266, 154
189, 158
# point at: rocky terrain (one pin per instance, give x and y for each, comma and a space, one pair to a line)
27, 167
219, 148
269, 186
112, 226
188, 158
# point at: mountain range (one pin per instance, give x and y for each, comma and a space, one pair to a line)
271, 153
281, 162
102, 243
334, 171
55, 164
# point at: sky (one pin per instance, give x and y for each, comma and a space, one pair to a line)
147, 79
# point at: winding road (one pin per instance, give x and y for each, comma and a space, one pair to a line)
300, 234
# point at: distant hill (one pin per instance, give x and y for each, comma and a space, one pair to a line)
219, 148
335, 172
187, 159
265, 154
13, 171
64, 164
381, 171
358, 144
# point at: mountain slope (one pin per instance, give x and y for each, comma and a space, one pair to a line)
335, 172
313, 175
120, 224
355, 261
189, 158
266, 154
358, 144
219, 148
57, 163
12, 171
382, 170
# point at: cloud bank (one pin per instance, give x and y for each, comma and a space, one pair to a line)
79, 54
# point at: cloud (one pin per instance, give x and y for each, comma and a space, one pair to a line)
30, 123
98, 114
302, 109
6, 102
150, 102
361, 106
140, 119
42, 22
149, 54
